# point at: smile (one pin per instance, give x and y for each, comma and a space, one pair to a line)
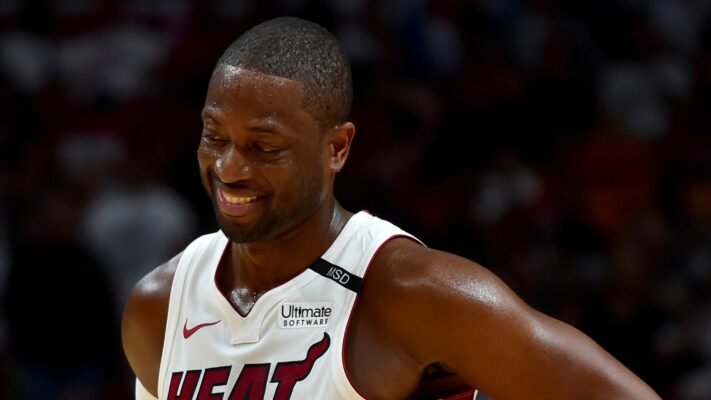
236, 205
238, 200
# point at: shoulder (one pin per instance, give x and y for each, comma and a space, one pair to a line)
439, 308
404, 269
413, 286
144, 320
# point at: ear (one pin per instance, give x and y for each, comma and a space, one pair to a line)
339, 144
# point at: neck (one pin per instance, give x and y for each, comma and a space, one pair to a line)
258, 267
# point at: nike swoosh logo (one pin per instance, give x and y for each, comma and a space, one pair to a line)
187, 332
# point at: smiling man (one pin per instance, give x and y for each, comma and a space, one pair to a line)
297, 298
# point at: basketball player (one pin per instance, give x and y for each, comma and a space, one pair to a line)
298, 298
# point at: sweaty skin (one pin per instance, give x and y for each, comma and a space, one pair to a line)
427, 324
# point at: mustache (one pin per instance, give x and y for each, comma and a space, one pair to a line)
215, 181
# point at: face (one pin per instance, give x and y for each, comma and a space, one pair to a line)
263, 160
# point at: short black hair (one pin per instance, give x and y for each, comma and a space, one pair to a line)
303, 51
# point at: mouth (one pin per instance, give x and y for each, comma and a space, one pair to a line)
236, 205
239, 200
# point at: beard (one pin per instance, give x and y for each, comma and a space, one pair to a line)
280, 213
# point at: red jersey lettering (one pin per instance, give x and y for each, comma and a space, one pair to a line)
189, 383
252, 382
287, 374
211, 378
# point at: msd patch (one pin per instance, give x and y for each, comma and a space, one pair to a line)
305, 314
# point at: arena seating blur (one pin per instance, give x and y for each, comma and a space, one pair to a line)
564, 145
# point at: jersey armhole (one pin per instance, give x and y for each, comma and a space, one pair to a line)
346, 386
142, 393
174, 305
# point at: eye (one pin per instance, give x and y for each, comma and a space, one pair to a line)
266, 149
212, 137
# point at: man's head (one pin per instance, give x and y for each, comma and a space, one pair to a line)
302, 51
275, 131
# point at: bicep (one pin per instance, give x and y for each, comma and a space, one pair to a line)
141, 345
493, 340
143, 326
527, 354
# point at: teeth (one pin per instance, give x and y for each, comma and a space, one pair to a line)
238, 199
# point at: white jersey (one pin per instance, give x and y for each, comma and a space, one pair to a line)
289, 346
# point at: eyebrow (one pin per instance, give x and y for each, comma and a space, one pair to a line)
266, 125
262, 125
207, 113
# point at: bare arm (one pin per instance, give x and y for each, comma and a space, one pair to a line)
456, 313
143, 326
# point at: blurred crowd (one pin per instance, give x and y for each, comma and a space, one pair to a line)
565, 145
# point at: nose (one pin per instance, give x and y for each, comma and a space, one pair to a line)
232, 167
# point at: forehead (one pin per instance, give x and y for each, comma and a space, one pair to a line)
239, 90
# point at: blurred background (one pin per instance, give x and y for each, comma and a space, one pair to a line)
564, 145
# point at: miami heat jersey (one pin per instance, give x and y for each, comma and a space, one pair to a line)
289, 346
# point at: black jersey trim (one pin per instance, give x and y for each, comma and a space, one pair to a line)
337, 274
